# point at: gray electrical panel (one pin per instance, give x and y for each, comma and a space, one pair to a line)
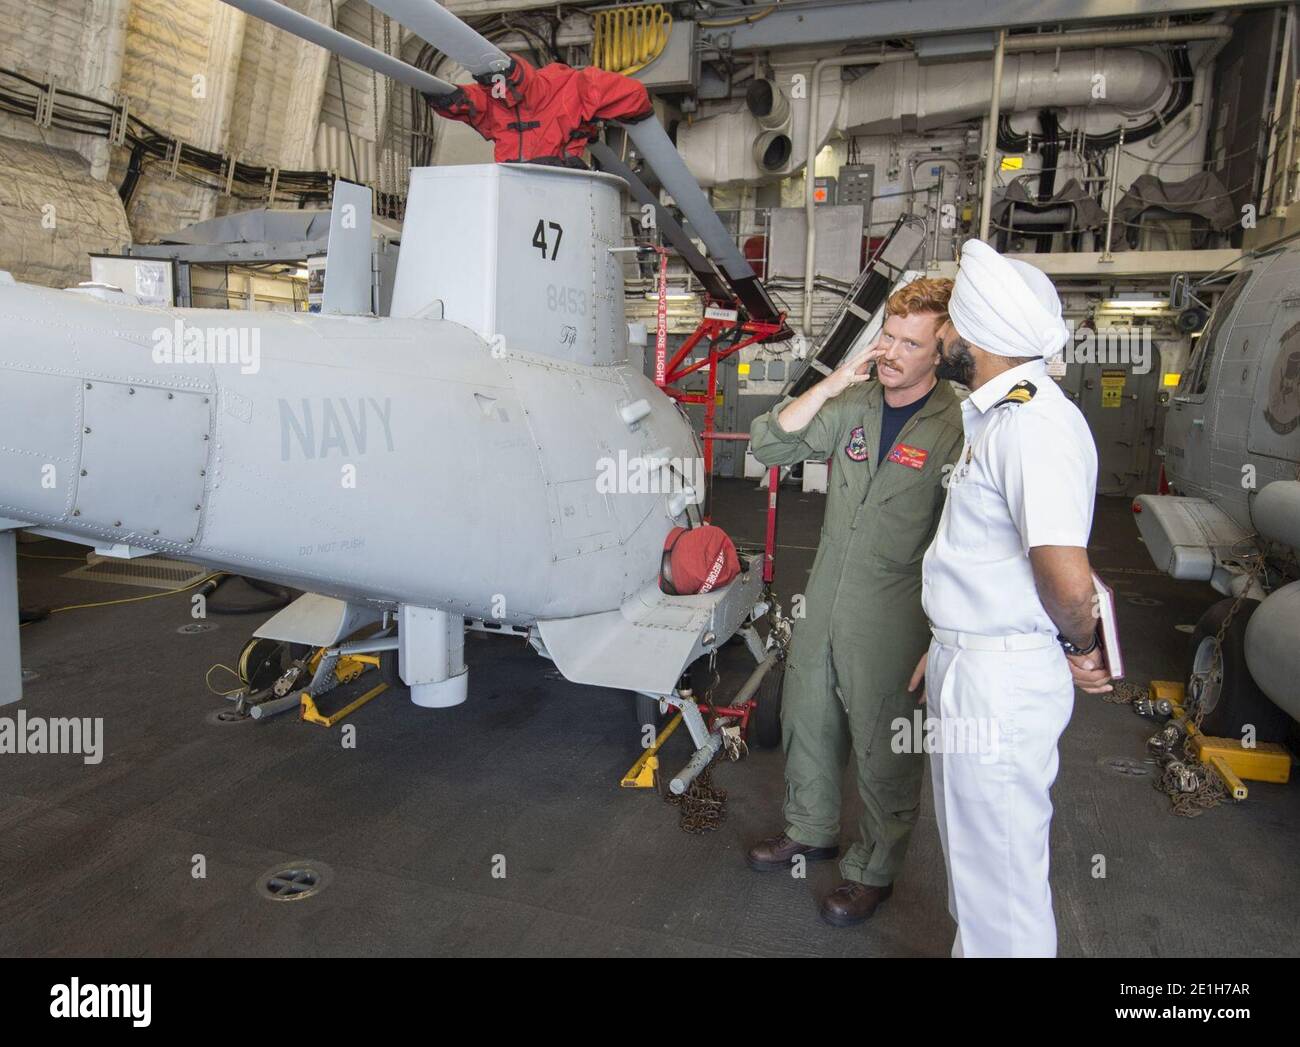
857, 186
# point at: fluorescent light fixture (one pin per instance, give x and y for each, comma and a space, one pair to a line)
1132, 304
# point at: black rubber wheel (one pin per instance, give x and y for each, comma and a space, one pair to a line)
767, 717
1228, 692
261, 662
648, 716
388, 669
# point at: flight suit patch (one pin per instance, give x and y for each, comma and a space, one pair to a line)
912, 457
857, 445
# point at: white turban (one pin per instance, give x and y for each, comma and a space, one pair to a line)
1004, 306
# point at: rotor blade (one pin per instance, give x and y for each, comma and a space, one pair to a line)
448, 34
658, 151
343, 45
667, 225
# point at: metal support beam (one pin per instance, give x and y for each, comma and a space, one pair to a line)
1112, 195
769, 25
11, 664
1081, 266
1283, 78
230, 254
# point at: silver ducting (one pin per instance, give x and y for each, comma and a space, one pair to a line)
772, 151
768, 104
936, 95
770, 107
734, 147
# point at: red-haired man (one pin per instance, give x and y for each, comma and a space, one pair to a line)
889, 441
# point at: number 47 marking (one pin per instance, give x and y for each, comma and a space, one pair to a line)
539, 238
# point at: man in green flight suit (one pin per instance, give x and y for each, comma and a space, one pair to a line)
890, 441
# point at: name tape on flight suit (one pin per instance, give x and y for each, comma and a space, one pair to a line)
912, 457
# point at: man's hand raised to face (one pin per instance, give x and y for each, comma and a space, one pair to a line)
853, 372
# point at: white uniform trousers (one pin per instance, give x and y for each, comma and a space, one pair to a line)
993, 805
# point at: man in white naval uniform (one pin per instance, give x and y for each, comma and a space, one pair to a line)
1008, 590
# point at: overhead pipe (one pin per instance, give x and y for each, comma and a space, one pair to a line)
1172, 34
991, 138
810, 162
1203, 78
1284, 67
1111, 196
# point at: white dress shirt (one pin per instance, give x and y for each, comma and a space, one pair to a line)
1026, 477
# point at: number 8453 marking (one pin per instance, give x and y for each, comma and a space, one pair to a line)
568, 300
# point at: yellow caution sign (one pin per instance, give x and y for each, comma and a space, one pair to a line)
1112, 388
1013, 163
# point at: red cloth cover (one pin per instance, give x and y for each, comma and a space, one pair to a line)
697, 560
546, 113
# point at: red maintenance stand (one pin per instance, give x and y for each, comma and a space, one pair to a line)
726, 334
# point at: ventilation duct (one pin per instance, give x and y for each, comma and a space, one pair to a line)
770, 108
735, 146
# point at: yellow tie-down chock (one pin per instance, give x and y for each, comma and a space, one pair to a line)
348, 668
1235, 762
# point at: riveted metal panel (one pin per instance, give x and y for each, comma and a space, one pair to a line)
170, 429
570, 446
38, 446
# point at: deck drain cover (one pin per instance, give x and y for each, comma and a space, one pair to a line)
196, 627
293, 882
1126, 766
226, 717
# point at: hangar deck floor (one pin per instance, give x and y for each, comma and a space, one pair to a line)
96, 860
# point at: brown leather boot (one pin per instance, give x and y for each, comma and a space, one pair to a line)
852, 903
777, 852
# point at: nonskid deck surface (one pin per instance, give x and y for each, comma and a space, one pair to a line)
98, 859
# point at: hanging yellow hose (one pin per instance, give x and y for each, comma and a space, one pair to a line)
627, 39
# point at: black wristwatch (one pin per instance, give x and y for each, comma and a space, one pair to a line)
1071, 649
